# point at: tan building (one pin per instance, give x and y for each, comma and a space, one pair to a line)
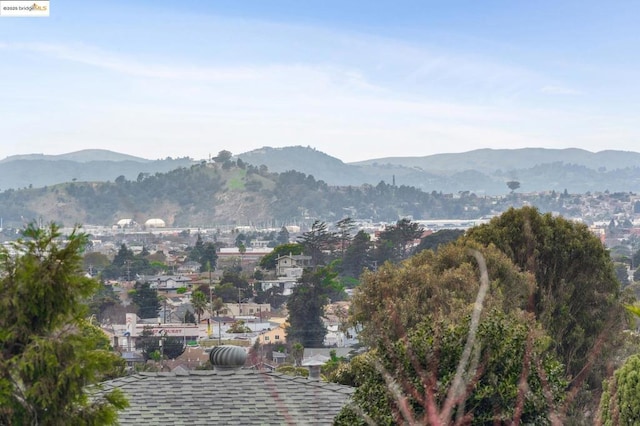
248, 309
275, 336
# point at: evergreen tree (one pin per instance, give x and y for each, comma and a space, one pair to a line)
146, 298
209, 256
306, 307
395, 240
345, 227
283, 236
48, 352
316, 241
357, 257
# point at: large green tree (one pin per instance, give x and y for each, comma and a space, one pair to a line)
577, 297
450, 345
146, 299
48, 352
306, 307
422, 367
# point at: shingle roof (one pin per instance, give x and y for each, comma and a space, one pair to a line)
237, 397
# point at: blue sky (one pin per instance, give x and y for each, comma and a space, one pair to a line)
356, 80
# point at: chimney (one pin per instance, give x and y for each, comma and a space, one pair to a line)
314, 364
314, 372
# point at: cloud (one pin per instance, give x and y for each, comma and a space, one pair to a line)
121, 64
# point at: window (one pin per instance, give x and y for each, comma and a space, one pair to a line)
277, 337
266, 338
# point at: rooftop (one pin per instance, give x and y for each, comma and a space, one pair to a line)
237, 397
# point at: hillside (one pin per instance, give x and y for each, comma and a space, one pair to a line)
484, 171
211, 195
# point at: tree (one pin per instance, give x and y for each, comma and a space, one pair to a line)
223, 156
444, 346
428, 357
95, 262
283, 236
101, 302
297, 352
146, 299
438, 238
199, 302
306, 308
345, 227
189, 318
357, 257
316, 241
513, 185
195, 252
577, 298
49, 354
148, 342
620, 402
239, 327
394, 241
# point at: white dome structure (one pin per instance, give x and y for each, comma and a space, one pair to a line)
124, 223
155, 223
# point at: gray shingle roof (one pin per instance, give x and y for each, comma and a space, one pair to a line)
237, 397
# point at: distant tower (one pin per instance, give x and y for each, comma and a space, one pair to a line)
394, 180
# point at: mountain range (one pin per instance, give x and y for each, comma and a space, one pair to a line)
483, 171
275, 186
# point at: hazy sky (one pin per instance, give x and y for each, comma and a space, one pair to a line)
354, 79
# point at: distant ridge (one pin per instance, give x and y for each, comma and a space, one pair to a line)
82, 156
89, 165
491, 160
482, 171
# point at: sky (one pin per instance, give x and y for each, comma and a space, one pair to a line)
354, 79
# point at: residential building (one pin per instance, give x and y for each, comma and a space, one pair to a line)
277, 335
292, 265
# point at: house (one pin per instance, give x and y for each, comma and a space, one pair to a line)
227, 396
291, 265
189, 267
248, 309
276, 336
167, 282
283, 284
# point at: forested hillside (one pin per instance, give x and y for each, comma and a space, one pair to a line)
230, 192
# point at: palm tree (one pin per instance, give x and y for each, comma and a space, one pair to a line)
199, 302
